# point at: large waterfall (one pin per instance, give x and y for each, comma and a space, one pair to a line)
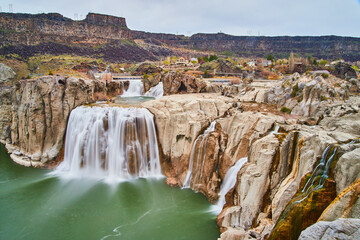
111, 143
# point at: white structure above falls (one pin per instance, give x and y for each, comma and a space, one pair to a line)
111, 143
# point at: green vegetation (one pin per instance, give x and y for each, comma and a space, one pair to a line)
325, 75
212, 58
270, 57
285, 110
323, 62
145, 76
295, 90
323, 98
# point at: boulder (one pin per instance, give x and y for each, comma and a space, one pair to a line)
6, 73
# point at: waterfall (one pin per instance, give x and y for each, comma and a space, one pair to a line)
156, 92
200, 143
110, 143
228, 183
135, 89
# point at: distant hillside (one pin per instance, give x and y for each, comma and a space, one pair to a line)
327, 47
109, 37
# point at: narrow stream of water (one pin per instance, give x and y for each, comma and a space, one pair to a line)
36, 205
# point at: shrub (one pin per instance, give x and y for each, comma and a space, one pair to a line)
300, 98
285, 110
323, 98
325, 75
50, 72
212, 57
295, 90
28, 77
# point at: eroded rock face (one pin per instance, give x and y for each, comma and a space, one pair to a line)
345, 205
5, 114
340, 229
276, 170
35, 114
41, 109
179, 120
179, 82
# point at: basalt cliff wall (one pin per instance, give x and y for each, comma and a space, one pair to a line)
97, 35
326, 47
109, 37
34, 114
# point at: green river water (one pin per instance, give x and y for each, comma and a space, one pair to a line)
36, 205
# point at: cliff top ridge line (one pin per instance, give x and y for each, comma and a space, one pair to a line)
91, 18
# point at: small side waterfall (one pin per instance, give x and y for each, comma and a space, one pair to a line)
156, 92
110, 143
135, 89
228, 183
198, 158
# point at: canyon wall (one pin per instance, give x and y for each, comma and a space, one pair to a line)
35, 112
283, 154
327, 47
55, 34
33, 29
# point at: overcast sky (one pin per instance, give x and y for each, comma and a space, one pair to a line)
236, 17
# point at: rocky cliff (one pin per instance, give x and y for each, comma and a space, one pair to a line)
301, 168
35, 112
97, 35
109, 37
283, 154
327, 47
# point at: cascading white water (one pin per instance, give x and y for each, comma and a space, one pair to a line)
156, 92
228, 183
110, 143
200, 156
135, 89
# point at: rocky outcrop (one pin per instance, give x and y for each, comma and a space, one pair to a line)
179, 82
40, 111
179, 120
344, 71
6, 73
345, 205
176, 82
305, 95
345, 229
278, 167
35, 114
146, 68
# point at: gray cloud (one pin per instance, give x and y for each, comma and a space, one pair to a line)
237, 17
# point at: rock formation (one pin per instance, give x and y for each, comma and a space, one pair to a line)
35, 112
301, 168
6, 73
27, 35
345, 229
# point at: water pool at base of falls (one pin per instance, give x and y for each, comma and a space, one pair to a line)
36, 205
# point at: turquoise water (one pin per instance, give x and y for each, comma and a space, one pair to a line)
36, 205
